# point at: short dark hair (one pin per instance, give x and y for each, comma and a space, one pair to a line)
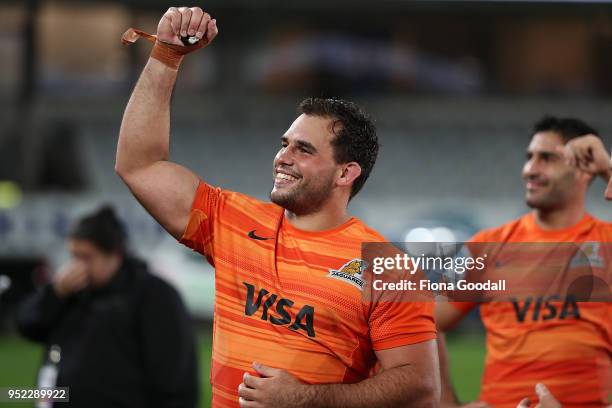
355, 139
103, 229
567, 128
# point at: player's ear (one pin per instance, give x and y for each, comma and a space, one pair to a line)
349, 173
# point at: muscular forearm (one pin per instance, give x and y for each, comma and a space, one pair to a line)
396, 387
145, 129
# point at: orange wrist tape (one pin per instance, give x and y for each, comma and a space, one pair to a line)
168, 54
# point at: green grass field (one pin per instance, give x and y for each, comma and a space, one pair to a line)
19, 361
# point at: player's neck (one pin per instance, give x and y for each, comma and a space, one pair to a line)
560, 218
326, 218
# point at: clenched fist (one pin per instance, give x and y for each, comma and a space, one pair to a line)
186, 22
589, 154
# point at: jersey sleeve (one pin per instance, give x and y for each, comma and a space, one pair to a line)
395, 318
396, 324
200, 231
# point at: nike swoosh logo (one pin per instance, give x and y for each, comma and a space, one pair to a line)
252, 235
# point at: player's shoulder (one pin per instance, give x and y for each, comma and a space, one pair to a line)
501, 232
604, 228
232, 201
601, 223
242, 199
365, 232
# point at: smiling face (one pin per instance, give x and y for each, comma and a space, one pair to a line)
550, 182
305, 170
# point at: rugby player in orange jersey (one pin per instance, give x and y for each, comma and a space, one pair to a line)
569, 350
291, 326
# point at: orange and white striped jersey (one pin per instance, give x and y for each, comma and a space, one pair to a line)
564, 344
292, 299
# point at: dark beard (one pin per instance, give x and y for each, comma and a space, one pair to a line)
556, 198
302, 202
549, 203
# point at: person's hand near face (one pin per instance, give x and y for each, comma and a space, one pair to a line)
589, 154
72, 278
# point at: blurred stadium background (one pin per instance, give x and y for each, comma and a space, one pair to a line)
455, 87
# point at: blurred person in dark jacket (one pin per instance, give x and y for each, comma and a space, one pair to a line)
115, 334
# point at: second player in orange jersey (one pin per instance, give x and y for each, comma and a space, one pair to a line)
563, 343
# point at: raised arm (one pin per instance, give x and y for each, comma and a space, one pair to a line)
165, 189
